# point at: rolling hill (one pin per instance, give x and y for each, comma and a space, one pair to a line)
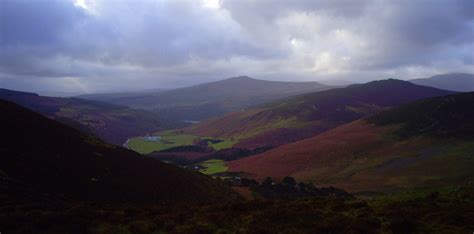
114, 124
43, 159
461, 82
303, 116
424, 143
211, 99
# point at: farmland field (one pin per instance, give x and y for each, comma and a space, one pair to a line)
224, 144
168, 139
213, 166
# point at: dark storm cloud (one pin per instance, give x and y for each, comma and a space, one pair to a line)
103, 45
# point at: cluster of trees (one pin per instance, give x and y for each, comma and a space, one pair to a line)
177, 155
289, 188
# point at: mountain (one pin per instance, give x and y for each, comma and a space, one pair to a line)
211, 99
303, 116
41, 158
427, 143
461, 82
114, 124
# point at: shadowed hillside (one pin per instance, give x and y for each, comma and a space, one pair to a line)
42, 159
114, 124
211, 99
446, 117
425, 143
306, 115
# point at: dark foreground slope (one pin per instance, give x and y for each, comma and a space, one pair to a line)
211, 99
43, 159
461, 82
306, 115
428, 143
114, 124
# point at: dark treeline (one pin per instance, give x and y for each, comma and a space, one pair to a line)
176, 155
288, 188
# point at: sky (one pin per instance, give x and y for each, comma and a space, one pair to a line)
87, 46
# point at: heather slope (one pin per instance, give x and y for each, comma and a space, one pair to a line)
41, 158
303, 116
114, 124
211, 99
425, 143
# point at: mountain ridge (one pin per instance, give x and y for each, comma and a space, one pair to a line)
214, 98
305, 115
461, 82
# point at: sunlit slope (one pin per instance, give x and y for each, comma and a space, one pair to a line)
306, 115
426, 143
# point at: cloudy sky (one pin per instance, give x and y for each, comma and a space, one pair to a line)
114, 45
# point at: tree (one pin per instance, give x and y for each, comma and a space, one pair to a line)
289, 182
268, 182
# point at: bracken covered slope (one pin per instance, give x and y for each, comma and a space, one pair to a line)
425, 143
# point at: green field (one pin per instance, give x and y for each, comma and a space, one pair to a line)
171, 139
168, 139
222, 145
213, 166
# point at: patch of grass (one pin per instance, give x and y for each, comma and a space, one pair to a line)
213, 166
168, 139
224, 144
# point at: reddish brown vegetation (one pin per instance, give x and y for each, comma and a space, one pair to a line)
308, 153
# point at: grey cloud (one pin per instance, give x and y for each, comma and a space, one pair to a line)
119, 44
36, 22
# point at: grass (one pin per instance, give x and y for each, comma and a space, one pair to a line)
224, 144
168, 139
213, 166
171, 139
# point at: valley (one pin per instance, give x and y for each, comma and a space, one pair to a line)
236, 116
344, 149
